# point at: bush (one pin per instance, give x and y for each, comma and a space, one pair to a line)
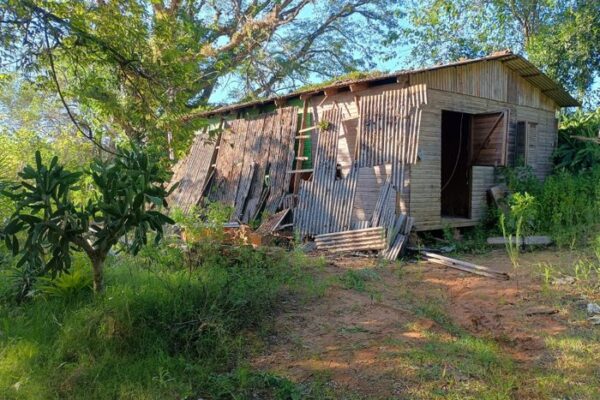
569, 206
574, 154
566, 205
158, 331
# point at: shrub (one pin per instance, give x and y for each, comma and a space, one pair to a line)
574, 154
129, 187
566, 205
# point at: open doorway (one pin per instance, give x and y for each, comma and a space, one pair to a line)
456, 160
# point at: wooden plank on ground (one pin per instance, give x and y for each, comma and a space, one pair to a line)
523, 241
272, 223
463, 265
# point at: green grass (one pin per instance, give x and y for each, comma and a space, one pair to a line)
357, 279
159, 331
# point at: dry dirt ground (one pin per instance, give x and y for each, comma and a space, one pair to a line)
413, 330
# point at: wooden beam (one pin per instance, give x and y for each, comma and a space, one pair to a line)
359, 86
310, 128
307, 96
331, 91
280, 102
404, 80
300, 171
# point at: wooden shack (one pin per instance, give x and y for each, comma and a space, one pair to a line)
358, 154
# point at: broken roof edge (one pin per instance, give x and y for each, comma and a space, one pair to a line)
523, 67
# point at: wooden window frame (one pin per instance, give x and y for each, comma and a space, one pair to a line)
528, 127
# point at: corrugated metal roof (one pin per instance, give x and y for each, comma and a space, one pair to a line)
515, 62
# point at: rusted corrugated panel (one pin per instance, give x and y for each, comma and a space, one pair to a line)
192, 173
390, 124
399, 237
362, 239
228, 146
325, 203
262, 151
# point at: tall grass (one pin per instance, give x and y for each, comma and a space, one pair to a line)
159, 331
569, 206
565, 206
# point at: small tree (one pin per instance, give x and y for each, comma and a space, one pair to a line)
128, 188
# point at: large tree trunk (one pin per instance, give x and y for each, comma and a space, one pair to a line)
98, 273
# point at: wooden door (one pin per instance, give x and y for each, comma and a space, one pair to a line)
489, 133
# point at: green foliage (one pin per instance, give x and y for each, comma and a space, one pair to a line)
6, 204
560, 36
67, 286
523, 215
138, 67
131, 188
357, 279
572, 153
569, 206
127, 186
159, 331
472, 240
566, 206
521, 179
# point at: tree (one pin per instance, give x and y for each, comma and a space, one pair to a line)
561, 36
141, 65
129, 187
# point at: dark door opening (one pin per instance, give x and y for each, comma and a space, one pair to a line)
456, 176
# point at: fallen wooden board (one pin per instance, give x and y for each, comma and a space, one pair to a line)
270, 224
523, 241
464, 266
401, 229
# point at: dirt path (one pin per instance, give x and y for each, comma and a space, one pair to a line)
423, 331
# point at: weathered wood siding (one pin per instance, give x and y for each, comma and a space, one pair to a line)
425, 200
477, 88
489, 80
368, 186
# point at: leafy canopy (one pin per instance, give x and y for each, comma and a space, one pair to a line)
138, 67
561, 36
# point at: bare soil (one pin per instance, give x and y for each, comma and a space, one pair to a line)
381, 341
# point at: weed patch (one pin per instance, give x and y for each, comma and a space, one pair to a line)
357, 279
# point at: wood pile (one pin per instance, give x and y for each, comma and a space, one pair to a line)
272, 223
